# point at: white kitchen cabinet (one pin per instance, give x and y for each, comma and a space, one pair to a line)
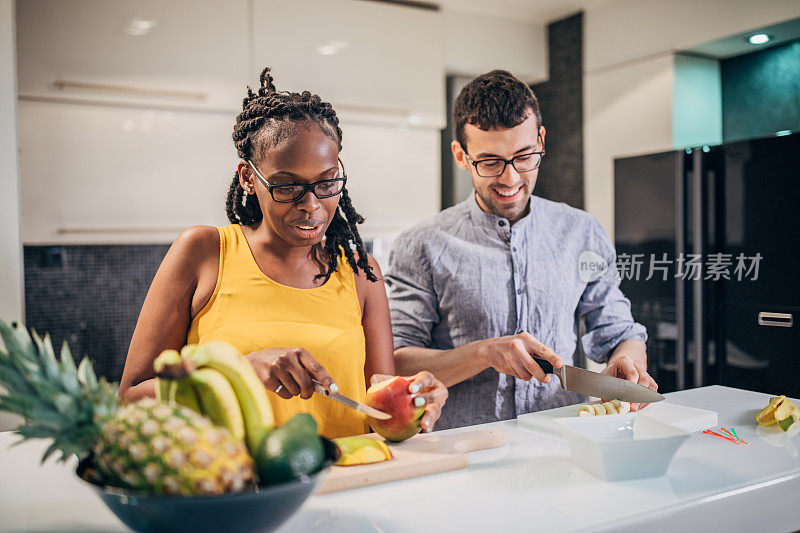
194, 55
113, 175
394, 175
384, 60
103, 174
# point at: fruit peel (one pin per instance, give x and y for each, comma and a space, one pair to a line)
780, 410
767, 415
361, 450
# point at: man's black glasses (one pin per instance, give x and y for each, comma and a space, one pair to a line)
494, 166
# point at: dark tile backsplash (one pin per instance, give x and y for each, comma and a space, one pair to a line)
561, 102
89, 296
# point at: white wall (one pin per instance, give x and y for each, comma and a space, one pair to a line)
697, 102
628, 30
627, 111
11, 302
476, 43
629, 77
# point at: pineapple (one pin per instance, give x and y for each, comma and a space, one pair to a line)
146, 446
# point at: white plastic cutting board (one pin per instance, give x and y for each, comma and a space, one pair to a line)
688, 419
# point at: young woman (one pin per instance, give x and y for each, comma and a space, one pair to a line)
288, 282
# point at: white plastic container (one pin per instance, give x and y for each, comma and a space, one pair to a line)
617, 447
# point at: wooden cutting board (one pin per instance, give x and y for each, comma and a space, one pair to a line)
418, 456
686, 418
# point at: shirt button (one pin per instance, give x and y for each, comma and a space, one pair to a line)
502, 223
514, 249
519, 291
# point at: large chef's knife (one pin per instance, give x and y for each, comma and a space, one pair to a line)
595, 384
349, 402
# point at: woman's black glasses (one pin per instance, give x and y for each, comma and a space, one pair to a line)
293, 192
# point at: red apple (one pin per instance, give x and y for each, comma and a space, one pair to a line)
392, 397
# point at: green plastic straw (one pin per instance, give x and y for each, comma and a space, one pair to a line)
734, 434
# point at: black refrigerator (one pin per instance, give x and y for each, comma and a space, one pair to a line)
708, 245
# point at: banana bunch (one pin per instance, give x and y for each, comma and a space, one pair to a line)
608, 408
215, 380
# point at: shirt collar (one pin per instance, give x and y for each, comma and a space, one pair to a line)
491, 221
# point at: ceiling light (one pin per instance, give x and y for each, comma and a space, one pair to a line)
759, 38
331, 47
782, 133
139, 26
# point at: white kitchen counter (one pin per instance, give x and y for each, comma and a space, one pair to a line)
530, 484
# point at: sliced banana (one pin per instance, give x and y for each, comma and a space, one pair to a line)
608, 408
622, 407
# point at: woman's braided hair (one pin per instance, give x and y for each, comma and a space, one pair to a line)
269, 116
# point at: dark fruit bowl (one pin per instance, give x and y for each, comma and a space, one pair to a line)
262, 509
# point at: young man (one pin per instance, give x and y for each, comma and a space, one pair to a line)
478, 288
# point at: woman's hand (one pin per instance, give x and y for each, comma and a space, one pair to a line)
288, 372
431, 393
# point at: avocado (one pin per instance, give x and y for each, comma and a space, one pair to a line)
290, 451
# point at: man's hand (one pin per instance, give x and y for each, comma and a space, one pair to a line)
624, 367
512, 355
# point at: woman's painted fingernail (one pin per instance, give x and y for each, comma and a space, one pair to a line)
419, 401
414, 388
334, 388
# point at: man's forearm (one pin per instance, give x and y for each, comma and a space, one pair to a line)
449, 366
633, 348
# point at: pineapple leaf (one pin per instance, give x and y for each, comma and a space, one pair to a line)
50, 451
34, 432
11, 379
58, 400
15, 404
48, 359
65, 404
86, 373
69, 373
17, 340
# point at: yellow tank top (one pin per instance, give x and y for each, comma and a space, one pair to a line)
252, 312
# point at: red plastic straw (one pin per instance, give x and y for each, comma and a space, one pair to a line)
715, 434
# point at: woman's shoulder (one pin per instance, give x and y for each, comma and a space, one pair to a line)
198, 240
196, 248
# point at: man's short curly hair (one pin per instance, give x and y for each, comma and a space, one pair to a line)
496, 99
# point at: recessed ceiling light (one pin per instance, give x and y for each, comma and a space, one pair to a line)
759, 38
782, 133
331, 47
140, 26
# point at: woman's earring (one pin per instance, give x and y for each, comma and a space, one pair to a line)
244, 199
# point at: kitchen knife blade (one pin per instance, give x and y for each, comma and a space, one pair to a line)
595, 384
352, 404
